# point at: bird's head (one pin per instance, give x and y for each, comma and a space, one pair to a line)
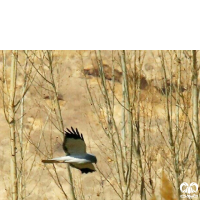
95, 160
92, 158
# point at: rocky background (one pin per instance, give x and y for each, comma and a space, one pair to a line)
43, 140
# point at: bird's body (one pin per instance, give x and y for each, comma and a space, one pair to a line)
75, 149
84, 158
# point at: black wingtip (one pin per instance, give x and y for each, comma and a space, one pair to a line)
73, 134
86, 170
73, 130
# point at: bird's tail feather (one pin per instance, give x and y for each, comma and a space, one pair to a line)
52, 161
55, 160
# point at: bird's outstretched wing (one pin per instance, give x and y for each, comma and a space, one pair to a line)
74, 142
84, 167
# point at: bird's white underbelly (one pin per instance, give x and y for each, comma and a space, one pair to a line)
78, 159
72, 159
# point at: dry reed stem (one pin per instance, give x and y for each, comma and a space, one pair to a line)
166, 189
153, 197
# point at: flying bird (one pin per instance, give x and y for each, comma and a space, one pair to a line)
76, 155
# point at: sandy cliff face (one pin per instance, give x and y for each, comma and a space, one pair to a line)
77, 111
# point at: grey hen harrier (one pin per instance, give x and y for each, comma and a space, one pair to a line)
75, 149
